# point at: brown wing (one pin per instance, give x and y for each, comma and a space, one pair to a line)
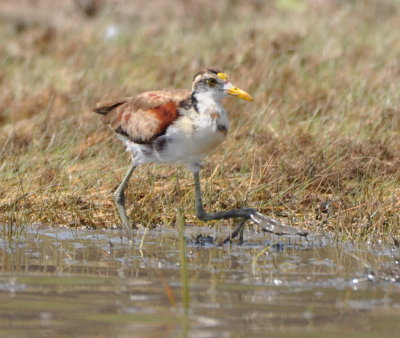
145, 116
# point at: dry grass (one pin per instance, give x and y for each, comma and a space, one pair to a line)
319, 146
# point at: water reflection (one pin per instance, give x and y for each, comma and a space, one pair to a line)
85, 282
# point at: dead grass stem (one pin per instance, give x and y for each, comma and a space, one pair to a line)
320, 145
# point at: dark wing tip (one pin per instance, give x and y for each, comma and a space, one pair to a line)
100, 110
103, 108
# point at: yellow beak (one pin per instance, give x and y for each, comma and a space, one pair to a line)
241, 94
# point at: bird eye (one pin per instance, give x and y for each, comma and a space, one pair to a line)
212, 82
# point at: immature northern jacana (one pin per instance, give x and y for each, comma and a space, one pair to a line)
176, 126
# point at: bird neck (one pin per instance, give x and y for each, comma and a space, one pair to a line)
205, 102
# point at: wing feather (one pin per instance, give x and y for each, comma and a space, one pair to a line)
143, 117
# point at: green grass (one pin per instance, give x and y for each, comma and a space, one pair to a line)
319, 146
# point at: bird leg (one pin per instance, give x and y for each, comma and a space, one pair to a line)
119, 196
266, 223
210, 216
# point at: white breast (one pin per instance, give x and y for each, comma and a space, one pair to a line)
192, 140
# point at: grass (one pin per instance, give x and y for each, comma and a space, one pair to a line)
319, 147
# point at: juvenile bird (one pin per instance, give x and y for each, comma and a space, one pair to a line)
176, 126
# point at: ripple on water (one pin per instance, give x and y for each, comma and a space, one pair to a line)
268, 284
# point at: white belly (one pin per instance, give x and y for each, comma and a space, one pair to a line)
189, 148
191, 142
185, 142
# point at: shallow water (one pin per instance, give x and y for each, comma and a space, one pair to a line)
77, 282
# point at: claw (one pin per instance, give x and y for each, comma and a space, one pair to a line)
269, 224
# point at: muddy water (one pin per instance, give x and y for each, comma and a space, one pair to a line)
69, 282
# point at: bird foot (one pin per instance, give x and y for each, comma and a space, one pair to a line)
267, 224
271, 225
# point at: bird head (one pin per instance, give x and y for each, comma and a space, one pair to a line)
216, 83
